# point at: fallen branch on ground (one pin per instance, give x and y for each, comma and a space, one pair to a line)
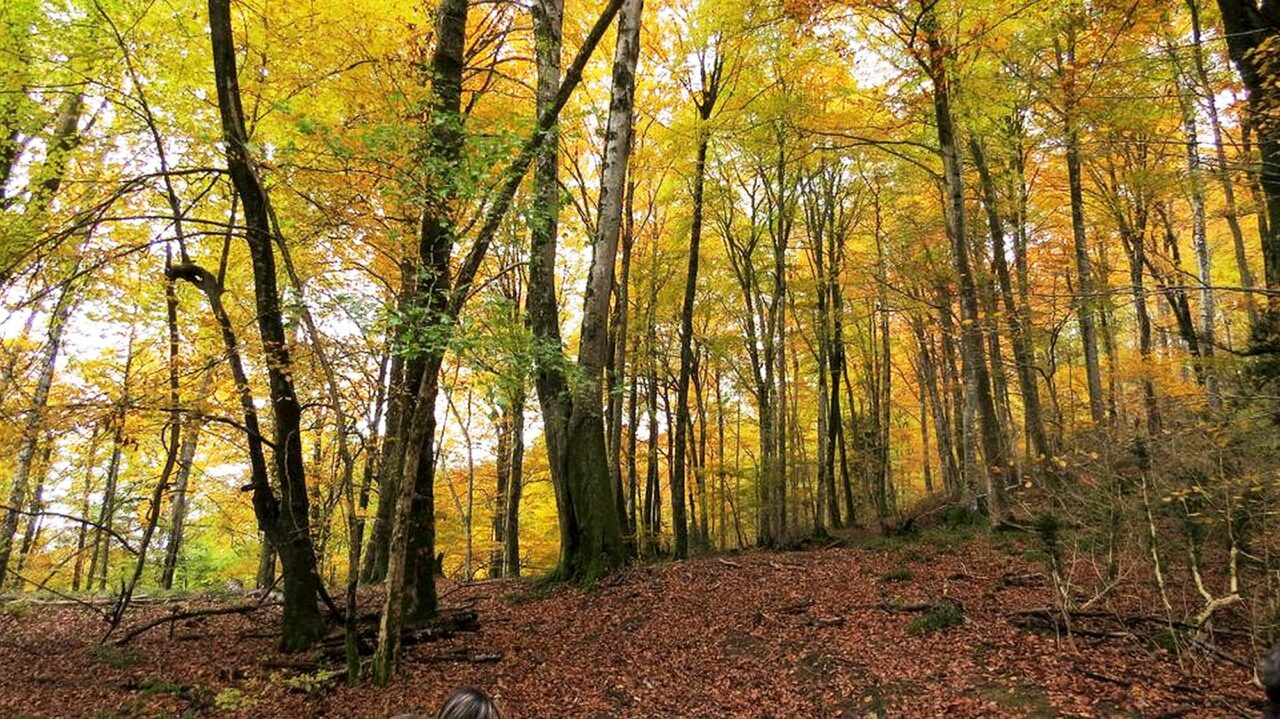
1219, 653
465, 657
900, 608
1127, 620
177, 616
1029, 579
445, 625
67, 598
1107, 678
297, 666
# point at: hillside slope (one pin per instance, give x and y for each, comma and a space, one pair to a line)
841, 631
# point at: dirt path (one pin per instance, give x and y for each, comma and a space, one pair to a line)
817, 633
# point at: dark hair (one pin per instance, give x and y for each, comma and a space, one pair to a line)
468, 703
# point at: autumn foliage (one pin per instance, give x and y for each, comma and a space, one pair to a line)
335, 299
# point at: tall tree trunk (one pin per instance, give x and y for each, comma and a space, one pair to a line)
978, 384
355, 524
1086, 307
31, 428
837, 368
821, 199
669, 422
410, 581
955, 400
1017, 180
502, 481
926, 466
720, 472
780, 231
827, 501
515, 485
781, 424
591, 538
431, 296
599, 542
34, 511
1249, 24
410, 593
1022, 349
468, 514
1253, 177
616, 363
941, 422
31, 533
652, 490
885, 498
700, 471
302, 624
265, 505
390, 464
835, 365
704, 102
1173, 291
541, 304
652, 496
1135, 246
1107, 327
178, 503
82, 533
633, 479
1206, 91
1199, 230
375, 447
801, 478
107, 510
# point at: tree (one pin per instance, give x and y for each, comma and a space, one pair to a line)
1204, 89
286, 523
1068, 74
977, 381
446, 301
1022, 349
1249, 25
590, 532
32, 428
705, 93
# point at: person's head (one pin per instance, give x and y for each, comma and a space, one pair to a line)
468, 703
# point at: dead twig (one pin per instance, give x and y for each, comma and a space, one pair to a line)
78, 520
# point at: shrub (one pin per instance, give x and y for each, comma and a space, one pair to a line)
897, 575
942, 617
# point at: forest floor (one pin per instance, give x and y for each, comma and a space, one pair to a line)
833, 631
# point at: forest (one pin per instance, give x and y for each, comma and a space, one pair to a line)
627, 358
